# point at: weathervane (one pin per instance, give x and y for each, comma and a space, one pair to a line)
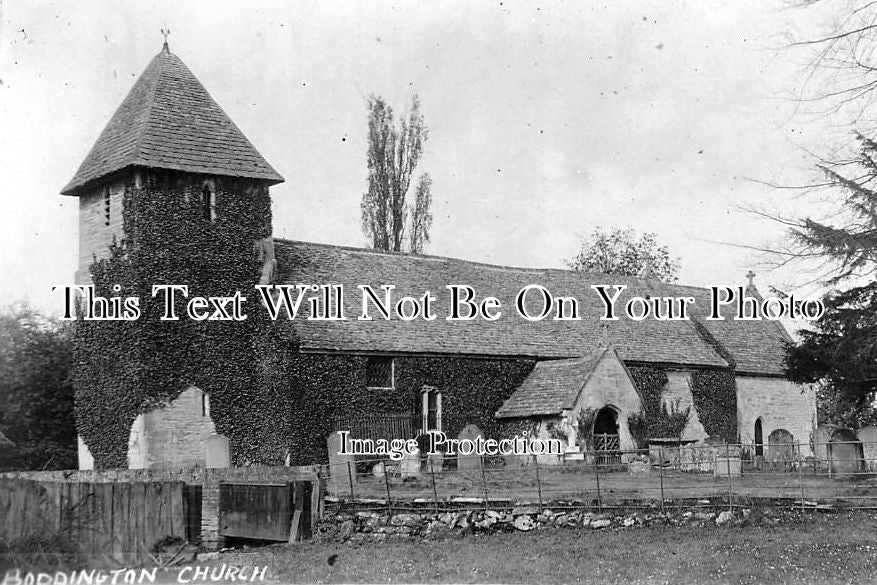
165, 32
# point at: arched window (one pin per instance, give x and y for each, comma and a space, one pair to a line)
759, 438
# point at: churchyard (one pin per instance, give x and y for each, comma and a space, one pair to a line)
837, 472
605, 485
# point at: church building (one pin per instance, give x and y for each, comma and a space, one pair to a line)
437, 374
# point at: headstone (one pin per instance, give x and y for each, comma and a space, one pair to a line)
639, 467
781, 449
845, 452
515, 461
342, 466
435, 462
410, 464
727, 466
379, 471
821, 437
216, 452
868, 437
472, 460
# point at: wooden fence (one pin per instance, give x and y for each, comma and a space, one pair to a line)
124, 519
279, 512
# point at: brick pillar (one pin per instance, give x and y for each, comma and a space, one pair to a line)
210, 538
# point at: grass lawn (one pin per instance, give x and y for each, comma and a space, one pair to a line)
821, 548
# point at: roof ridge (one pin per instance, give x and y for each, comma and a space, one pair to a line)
700, 329
480, 263
141, 133
597, 357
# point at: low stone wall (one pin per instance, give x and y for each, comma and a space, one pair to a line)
377, 525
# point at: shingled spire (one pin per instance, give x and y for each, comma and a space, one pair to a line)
169, 121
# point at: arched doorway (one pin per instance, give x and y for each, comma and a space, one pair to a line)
759, 439
606, 440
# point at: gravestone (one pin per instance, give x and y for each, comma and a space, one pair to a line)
781, 449
515, 461
216, 452
727, 465
473, 460
868, 437
436, 460
639, 466
821, 436
845, 452
410, 464
342, 466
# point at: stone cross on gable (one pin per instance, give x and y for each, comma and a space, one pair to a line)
751, 276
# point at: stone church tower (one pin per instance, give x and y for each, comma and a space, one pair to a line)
170, 138
167, 130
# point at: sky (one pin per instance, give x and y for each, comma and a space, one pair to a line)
546, 120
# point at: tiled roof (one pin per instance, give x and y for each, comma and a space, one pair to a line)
551, 387
169, 121
649, 341
756, 346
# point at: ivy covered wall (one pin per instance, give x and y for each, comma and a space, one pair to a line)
327, 386
714, 397
122, 368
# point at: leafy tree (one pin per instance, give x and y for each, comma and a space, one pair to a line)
36, 393
624, 252
841, 351
852, 412
393, 155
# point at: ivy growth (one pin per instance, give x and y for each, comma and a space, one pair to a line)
656, 419
585, 424
472, 391
714, 393
124, 368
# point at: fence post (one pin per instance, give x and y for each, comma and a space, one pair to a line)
387, 483
661, 471
538, 482
730, 482
801, 475
434, 491
597, 476
484, 480
350, 479
828, 452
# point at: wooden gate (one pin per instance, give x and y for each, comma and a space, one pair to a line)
607, 448
280, 512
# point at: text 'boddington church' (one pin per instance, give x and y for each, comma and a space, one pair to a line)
497, 375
